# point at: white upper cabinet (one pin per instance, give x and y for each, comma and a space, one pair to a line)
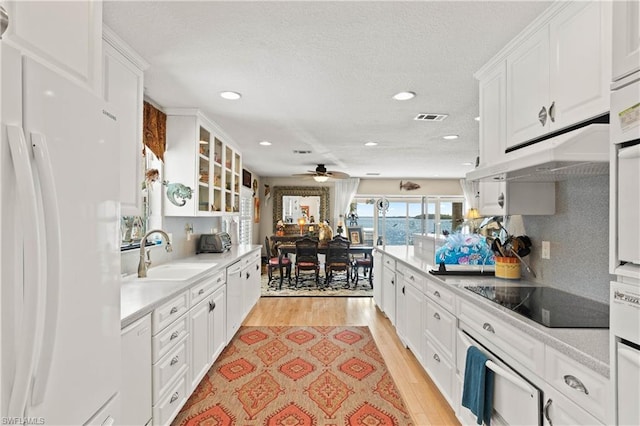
626, 38
492, 115
75, 51
123, 89
559, 74
198, 157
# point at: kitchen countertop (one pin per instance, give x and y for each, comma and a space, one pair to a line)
589, 347
139, 297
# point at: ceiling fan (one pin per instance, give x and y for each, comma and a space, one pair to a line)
321, 174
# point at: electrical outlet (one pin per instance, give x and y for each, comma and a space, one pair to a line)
546, 250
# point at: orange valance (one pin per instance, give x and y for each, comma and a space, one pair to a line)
155, 130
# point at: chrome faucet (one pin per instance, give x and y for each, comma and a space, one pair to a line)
144, 263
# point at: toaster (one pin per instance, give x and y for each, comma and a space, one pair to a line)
214, 243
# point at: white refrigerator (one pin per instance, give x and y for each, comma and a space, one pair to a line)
59, 249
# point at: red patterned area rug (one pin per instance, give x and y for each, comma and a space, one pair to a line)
297, 376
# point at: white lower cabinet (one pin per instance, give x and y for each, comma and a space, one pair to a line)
441, 369
251, 282
415, 302
135, 392
558, 410
377, 278
389, 289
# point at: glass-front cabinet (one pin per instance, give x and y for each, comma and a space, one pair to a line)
202, 171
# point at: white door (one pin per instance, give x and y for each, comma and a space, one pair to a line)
492, 198
492, 116
218, 319
528, 89
580, 68
200, 341
626, 38
414, 305
628, 388
234, 299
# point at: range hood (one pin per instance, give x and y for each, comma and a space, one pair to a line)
581, 152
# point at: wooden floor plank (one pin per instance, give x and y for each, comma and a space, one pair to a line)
425, 403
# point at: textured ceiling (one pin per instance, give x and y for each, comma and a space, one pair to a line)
320, 75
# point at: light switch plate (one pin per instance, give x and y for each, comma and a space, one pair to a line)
546, 250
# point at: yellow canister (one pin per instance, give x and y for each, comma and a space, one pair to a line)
508, 268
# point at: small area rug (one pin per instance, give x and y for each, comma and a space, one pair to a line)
308, 288
297, 376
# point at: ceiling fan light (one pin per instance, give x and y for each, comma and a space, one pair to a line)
321, 178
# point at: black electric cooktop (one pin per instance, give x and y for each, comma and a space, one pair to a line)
548, 306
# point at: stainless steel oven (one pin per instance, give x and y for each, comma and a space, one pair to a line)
516, 401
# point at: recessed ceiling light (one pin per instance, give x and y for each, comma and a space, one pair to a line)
265, 143
468, 163
232, 96
450, 137
371, 144
404, 96
477, 118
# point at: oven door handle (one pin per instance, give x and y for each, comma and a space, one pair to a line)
512, 377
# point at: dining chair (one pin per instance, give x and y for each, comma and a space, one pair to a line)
337, 259
366, 263
307, 258
277, 261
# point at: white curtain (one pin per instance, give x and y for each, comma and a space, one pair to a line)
345, 191
470, 193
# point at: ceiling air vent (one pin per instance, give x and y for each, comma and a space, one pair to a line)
301, 151
430, 117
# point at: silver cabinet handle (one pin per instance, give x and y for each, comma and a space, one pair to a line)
436, 293
174, 360
436, 357
174, 397
546, 411
436, 316
575, 383
412, 278
173, 310
488, 327
501, 200
552, 111
542, 116
201, 291
174, 335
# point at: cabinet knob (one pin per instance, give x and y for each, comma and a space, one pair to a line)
436, 316
436, 293
174, 397
436, 357
174, 360
552, 112
201, 291
501, 200
542, 116
212, 306
575, 383
402, 289
488, 327
174, 335
173, 310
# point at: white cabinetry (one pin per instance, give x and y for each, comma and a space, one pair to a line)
626, 38
206, 325
123, 89
560, 74
135, 392
415, 306
197, 157
508, 198
377, 278
560, 411
251, 282
235, 282
389, 288
492, 115
74, 50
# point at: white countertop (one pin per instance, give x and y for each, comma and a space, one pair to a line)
140, 296
589, 346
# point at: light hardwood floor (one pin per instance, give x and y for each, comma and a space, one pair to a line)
426, 404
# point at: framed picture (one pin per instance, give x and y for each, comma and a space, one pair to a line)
246, 178
355, 235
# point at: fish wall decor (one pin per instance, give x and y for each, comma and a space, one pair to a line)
409, 186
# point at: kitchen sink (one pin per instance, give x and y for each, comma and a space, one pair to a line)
173, 272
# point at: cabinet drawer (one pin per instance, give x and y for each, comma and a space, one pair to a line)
441, 295
200, 291
167, 339
165, 410
414, 278
170, 311
441, 370
441, 326
168, 368
580, 384
388, 262
520, 347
